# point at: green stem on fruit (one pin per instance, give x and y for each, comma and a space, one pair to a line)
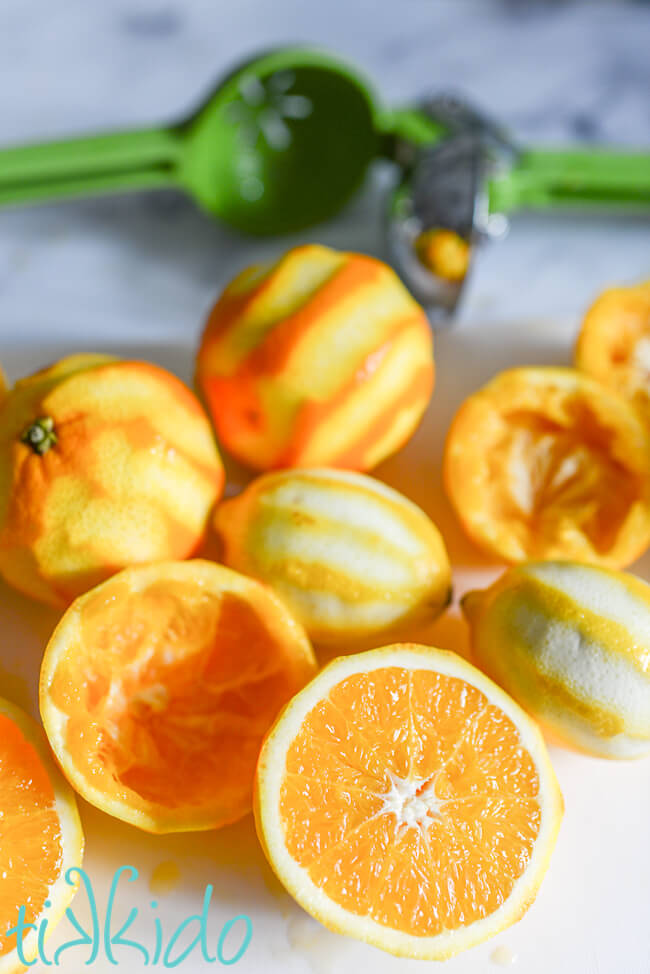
40, 435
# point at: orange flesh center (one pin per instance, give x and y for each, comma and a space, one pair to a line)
410, 799
30, 833
559, 476
168, 698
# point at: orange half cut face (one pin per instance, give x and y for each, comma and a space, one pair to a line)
40, 836
404, 799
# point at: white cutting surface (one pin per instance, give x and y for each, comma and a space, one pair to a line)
136, 276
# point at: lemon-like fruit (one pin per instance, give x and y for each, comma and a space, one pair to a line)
571, 643
351, 557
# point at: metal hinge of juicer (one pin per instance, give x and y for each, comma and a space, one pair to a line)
439, 211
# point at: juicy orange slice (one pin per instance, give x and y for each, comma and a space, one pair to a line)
614, 342
158, 686
40, 835
404, 799
548, 463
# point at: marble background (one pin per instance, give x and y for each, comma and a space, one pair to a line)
148, 265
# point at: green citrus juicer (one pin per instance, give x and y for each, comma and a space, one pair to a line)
285, 140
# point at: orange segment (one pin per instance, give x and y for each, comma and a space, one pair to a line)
40, 833
548, 463
404, 799
158, 687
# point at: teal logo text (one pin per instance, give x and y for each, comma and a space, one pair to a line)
231, 944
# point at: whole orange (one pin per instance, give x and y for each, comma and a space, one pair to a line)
321, 359
103, 463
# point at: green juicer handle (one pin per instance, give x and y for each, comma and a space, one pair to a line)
548, 178
151, 158
87, 166
541, 179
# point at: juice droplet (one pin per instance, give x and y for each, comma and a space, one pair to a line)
164, 878
503, 955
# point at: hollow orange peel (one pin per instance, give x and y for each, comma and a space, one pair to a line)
546, 462
157, 687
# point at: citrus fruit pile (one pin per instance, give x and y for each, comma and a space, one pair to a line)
402, 795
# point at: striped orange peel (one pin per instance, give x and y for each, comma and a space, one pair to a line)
103, 463
352, 558
322, 358
571, 643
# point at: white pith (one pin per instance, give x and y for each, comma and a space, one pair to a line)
413, 802
598, 592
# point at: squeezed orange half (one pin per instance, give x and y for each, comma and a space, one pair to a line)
158, 686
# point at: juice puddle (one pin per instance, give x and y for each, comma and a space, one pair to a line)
503, 956
164, 878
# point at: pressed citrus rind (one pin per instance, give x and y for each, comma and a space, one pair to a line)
356, 877
157, 687
546, 462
